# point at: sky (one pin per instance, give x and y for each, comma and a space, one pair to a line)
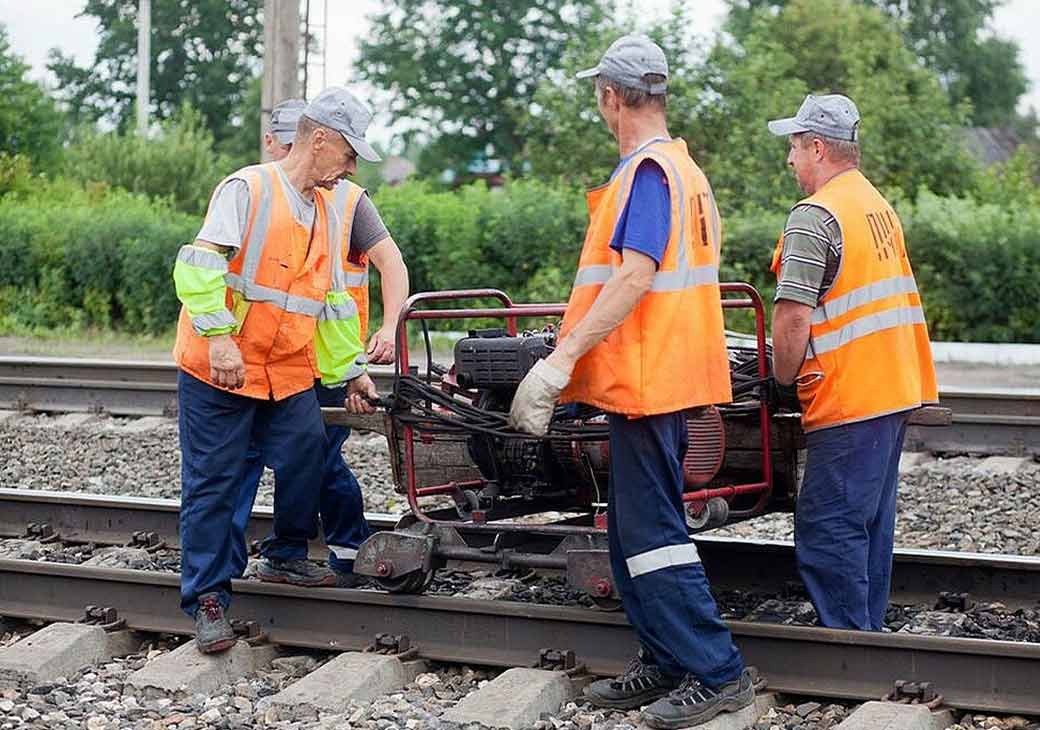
37, 26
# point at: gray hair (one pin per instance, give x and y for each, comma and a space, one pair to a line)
635, 98
838, 150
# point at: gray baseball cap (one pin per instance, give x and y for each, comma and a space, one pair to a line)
336, 108
284, 117
628, 60
832, 116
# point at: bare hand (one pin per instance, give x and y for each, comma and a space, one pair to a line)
382, 346
360, 391
226, 368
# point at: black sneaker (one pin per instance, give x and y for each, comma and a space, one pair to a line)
213, 631
640, 684
295, 572
694, 703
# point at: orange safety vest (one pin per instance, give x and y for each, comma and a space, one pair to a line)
353, 271
277, 282
867, 336
670, 352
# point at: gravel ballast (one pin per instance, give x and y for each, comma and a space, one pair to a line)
945, 504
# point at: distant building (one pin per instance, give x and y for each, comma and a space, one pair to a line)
992, 145
395, 170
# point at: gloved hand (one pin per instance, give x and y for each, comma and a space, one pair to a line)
780, 396
536, 397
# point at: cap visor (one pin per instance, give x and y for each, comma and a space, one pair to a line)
784, 127
363, 148
285, 137
587, 73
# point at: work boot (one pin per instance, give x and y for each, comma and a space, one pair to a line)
694, 703
295, 572
349, 579
641, 683
213, 631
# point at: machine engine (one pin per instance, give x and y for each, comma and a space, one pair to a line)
574, 472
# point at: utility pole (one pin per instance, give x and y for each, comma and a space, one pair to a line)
281, 78
144, 63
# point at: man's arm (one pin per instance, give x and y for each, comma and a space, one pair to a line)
393, 274
790, 339
615, 302
810, 241
198, 275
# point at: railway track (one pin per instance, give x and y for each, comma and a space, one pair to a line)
990, 422
971, 674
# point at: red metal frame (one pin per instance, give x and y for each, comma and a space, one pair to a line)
511, 313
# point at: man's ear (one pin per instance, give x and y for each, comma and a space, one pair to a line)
819, 148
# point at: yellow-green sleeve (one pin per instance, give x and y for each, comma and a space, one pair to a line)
198, 276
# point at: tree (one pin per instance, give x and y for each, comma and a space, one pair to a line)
564, 135
468, 69
720, 104
30, 123
951, 37
204, 53
178, 163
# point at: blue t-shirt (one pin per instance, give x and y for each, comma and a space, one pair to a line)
646, 221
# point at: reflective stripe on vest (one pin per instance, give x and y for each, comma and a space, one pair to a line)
867, 325
357, 278
663, 280
864, 295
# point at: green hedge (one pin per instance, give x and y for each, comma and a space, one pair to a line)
77, 258
91, 256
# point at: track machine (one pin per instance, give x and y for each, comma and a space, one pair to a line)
482, 492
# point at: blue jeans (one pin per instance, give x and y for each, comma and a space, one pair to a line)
656, 568
216, 428
342, 506
845, 520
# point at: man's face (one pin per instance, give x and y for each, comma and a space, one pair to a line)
609, 104
275, 149
334, 158
802, 156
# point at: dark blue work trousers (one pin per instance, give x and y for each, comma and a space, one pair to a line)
216, 428
656, 567
845, 520
342, 506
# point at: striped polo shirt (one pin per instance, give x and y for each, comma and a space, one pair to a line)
811, 255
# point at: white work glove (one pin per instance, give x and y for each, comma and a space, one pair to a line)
536, 397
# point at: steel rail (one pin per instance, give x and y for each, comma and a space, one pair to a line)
1004, 421
971, 674
766, 566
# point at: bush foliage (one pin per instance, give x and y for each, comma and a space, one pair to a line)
94, 256
88, 257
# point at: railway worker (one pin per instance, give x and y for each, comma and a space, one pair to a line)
262, 316
849, 328
365, 237
643, 339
